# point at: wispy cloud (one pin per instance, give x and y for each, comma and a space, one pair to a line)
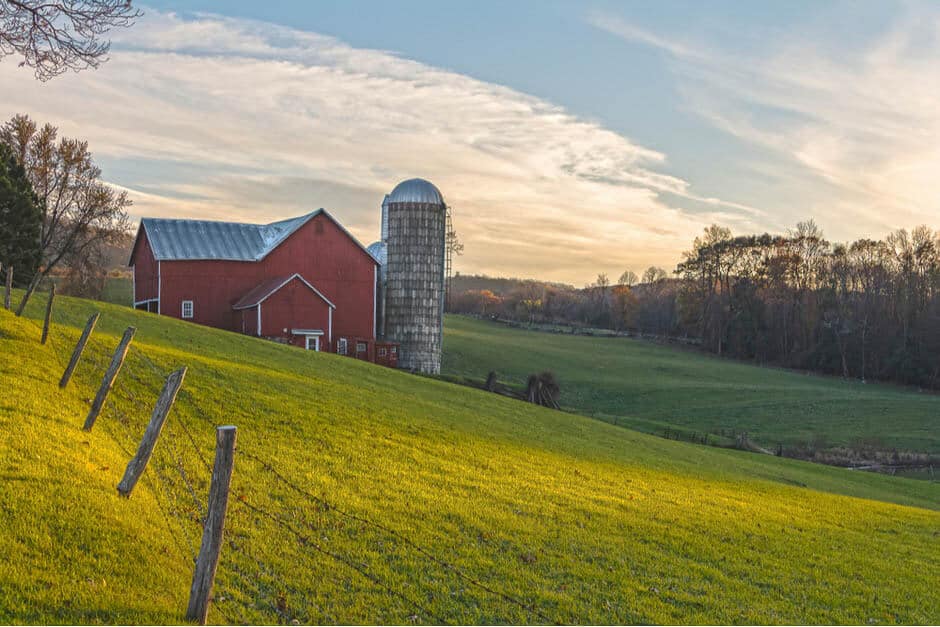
226, 118
616, 25
864, 126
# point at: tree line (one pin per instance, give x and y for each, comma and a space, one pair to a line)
57, 217
866, 309
869, 309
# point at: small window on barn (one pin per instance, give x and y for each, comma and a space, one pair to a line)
341, 346
382, 352
394, 350
360, 347
187, 309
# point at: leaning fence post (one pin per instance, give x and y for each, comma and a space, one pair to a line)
79, 349
45, 324
116, 362
208, 559
9, 288
161, 410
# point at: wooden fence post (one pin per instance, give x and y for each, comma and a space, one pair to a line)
208, 560
161, 410
490, 385
116, 362
9, 288
79, 349
45, 324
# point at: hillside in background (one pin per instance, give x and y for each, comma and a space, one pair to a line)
653, 388
498, 285
366, 495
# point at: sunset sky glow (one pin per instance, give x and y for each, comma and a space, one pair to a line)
570, 138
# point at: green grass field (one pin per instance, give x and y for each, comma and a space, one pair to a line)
119, 290
649, 387
404, 499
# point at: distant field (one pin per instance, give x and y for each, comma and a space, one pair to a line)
442, 504
651, 388
119, 290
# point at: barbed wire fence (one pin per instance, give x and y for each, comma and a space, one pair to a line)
249, 588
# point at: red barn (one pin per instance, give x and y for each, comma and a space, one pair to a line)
304, 281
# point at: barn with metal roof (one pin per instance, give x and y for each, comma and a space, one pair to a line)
304, 281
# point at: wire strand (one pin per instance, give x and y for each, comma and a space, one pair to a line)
307, 541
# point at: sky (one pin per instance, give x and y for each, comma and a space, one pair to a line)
569, 138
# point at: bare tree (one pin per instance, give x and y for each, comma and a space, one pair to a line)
628, 278
453, 247
653, 274
56, 36
80, 212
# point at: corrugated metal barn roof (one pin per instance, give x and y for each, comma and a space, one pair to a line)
173, 240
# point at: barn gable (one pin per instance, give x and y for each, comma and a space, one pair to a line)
266, 289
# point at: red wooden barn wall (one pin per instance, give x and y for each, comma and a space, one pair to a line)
145, 271
319, 250
294, 306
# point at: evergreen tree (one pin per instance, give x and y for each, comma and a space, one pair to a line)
20, 219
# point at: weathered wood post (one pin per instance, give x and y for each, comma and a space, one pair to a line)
108, 381
137, 465
532, 389
208, 559
45, 324
9, 288
490, 385
79, 349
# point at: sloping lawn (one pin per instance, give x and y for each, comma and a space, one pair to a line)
366, 495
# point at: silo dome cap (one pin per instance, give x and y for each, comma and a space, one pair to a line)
416, 190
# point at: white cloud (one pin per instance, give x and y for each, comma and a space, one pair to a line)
225, 118
864, 126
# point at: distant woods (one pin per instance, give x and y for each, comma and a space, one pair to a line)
647, 302
869, 309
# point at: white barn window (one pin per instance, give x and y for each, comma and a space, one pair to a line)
187, 309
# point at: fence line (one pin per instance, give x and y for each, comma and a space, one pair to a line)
117, 361
196, 409
328, 506
161, 412
165, 493
161, 480
213, 528
170, 459
79, 349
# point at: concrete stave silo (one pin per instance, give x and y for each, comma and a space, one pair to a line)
414, 274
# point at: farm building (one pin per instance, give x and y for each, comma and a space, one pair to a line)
304, 281
307, 281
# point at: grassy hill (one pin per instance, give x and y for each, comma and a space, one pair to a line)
649, 387
362, 494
